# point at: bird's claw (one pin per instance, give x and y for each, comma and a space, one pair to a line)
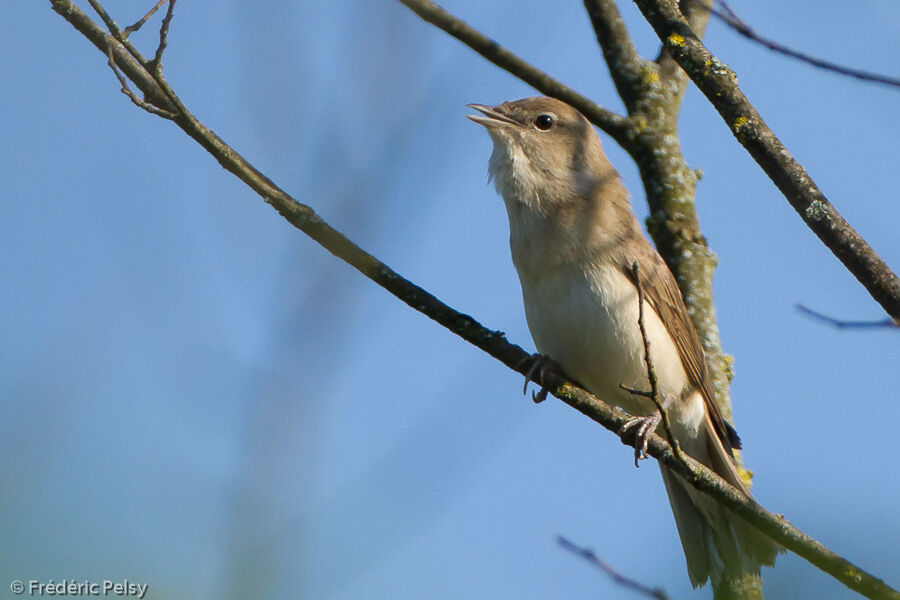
645, 428
539, 365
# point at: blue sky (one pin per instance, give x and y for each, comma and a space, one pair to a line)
196, 396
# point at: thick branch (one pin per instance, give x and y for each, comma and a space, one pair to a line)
776, 527
719, 84
626, 67
617, 126
697, 15
492, 342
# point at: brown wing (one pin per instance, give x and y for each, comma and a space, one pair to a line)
662, 293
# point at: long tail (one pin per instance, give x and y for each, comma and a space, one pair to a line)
715, 541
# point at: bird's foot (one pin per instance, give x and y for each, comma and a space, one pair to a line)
538, 367
645, 428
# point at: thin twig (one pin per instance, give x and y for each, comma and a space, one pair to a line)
846, 324
622, 580
156, 63
730, 18
133, 28
126, 89
652, 92
113, 28
651, 372
107, 20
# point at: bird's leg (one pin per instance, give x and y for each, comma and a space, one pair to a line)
645, 428
539, 365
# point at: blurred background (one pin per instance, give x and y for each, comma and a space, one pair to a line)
196, 396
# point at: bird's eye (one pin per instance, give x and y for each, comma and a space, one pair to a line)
544, 122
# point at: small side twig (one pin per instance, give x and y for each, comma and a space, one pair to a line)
113, 28
653, 394
155, 65
731, 18
104, 16
126, 89
135, 27
626, 582
846, 324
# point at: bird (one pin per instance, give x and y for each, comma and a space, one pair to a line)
581, 258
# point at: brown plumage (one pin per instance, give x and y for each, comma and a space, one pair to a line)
574, 238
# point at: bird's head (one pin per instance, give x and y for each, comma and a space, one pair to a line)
546, 154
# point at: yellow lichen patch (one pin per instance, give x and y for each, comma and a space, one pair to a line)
649, 76
853, 574
676, 40
745, 474
740, 122
640, 123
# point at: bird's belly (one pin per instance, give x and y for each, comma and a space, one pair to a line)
587, 320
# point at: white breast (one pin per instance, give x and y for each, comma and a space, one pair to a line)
586, 318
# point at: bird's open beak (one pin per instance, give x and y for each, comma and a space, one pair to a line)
492, 117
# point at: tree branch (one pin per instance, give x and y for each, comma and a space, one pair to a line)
626, 582
626, 67
719, 84
126, 57
653, 394
731, 18
492, 342
143, 20
617, 126
126, 89
841, 324
653, 91
697, 16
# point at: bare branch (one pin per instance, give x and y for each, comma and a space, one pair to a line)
617, 126
651, 372
698, 18
133, 28
127, 58
719, 84
104, 16
626, 67
847, 324
652, 92
156, 63
730, 18
126, 89
622, 580
113, 28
